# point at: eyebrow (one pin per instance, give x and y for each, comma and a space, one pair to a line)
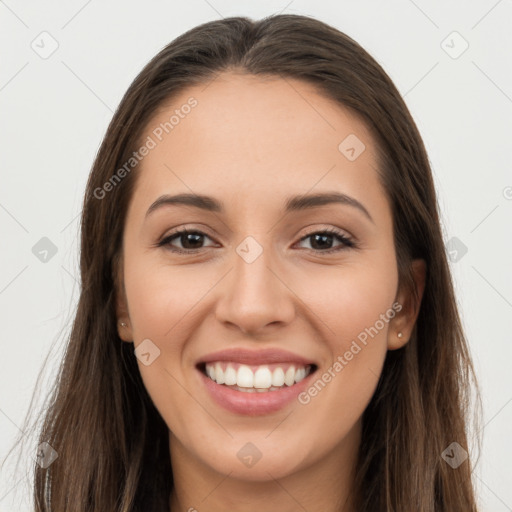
294, 203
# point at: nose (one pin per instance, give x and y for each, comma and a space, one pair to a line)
254, 296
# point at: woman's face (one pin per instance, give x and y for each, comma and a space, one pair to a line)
259, 286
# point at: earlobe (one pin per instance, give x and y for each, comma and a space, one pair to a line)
123, 319
124, 331
396, 340
402, 325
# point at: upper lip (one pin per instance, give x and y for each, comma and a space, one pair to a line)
255, 357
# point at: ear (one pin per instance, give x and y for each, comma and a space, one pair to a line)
405, 319
122, 314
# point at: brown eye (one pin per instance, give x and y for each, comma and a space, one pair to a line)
322, 241
190, 240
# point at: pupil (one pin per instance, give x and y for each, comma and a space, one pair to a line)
197, 236
323, 237
195, 239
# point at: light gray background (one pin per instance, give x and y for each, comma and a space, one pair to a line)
56, 110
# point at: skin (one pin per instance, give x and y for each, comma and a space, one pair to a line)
251, 143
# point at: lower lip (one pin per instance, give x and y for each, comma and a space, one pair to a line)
255, 403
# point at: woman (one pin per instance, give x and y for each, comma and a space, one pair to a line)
267, 319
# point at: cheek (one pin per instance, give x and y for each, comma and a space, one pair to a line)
161, 303
356, 305
164, 304
350, 299
359, 308
160, 297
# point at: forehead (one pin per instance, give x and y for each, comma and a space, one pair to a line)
244, 137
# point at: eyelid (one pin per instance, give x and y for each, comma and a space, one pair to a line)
329, 229
186, 229
347, 241
165, 240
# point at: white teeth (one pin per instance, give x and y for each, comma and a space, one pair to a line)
230, 376
289, 376
300, 373
219, 374
255, 390
244, 377
262, 380
278, 377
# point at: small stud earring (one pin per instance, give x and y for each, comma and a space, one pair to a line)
399, 334
123, 324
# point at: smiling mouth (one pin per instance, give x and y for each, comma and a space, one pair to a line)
256, 378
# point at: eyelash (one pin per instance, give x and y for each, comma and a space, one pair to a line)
347, 242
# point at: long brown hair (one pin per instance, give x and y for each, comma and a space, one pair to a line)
112, 444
